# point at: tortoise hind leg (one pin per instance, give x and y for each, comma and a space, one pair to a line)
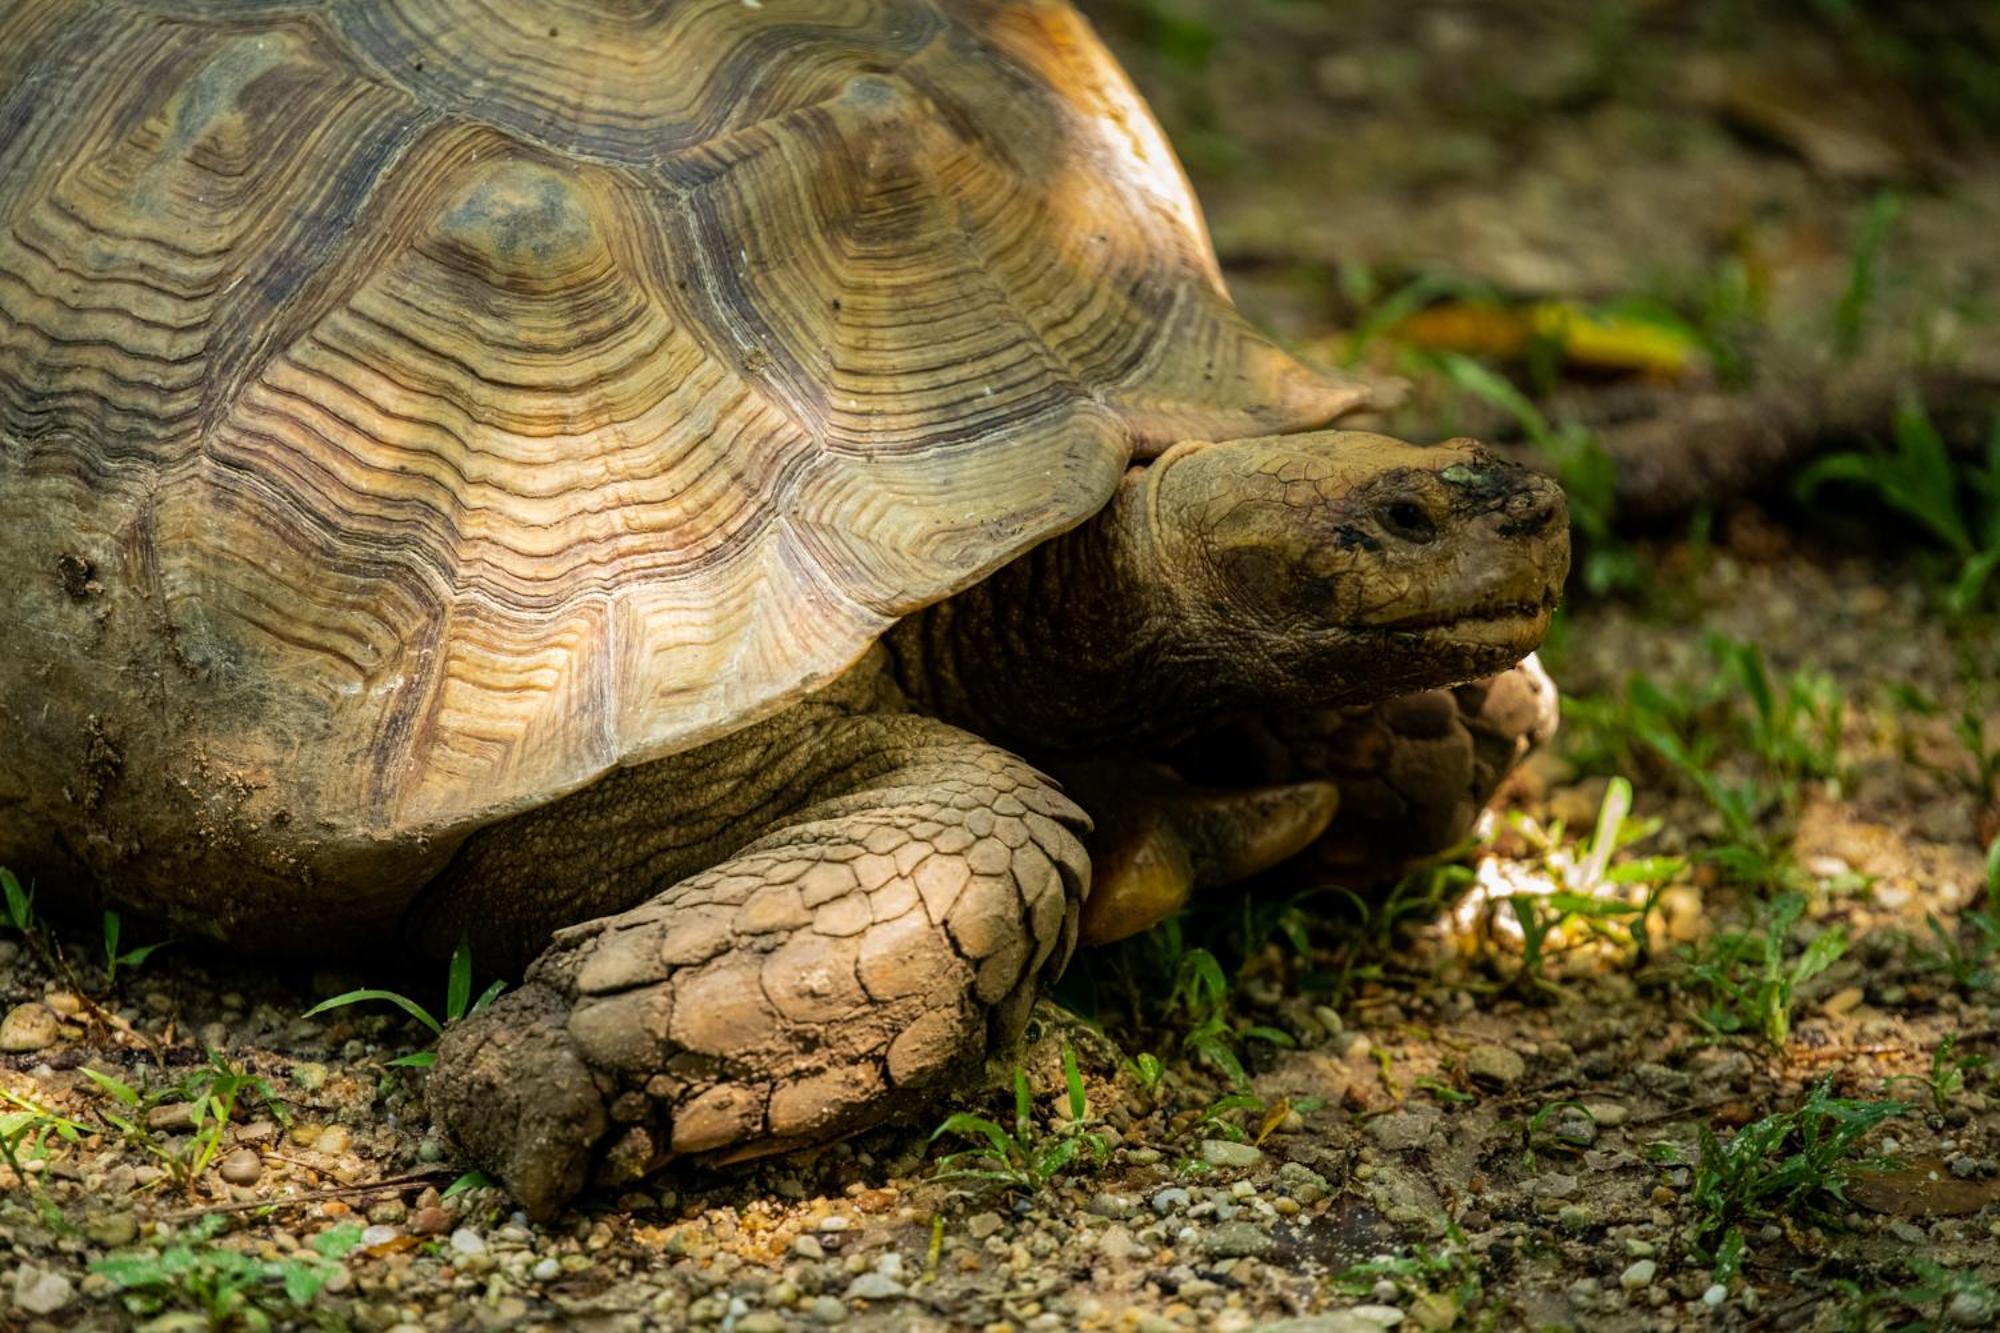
838, 969
1414, 773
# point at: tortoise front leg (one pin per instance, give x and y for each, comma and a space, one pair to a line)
1414, 773
847, 965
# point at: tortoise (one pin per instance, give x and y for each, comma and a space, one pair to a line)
655, 489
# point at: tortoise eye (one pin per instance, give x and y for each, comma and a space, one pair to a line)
1408, 520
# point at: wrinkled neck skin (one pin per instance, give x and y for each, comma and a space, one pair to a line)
1299, 571
1069, 648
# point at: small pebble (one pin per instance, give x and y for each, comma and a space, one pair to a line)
1715, 1295
379, 1234
431, 1221
1638, 1275
40, 1292
112, 1230
982, 1225
1223, 1153
546, 1270
171, 1117
827, 1309
1239, 1240
808, 1247
29, 1027
1495, 1065
834, 1223
241, 1166
874, 1287
1171, 1198
466, 1241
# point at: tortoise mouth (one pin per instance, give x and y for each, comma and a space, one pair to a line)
1528, 609
1490, 631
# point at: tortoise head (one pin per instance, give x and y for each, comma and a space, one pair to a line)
1341, 566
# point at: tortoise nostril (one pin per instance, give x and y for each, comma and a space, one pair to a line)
1531, 510
1408, 520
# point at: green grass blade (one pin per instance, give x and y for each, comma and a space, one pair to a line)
1079, 1099
403, 1002
458, 988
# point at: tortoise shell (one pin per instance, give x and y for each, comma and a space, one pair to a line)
410, 411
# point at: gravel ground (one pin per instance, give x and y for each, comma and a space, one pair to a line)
1428, 1134
1432, 1148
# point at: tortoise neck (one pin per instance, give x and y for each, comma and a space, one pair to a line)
1069, 648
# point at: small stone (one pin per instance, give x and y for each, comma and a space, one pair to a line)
1116, 1244
1401, 1131
982, 1225
29, 1027
310, 1075
171, 1118
1171, 1198
379, 1234
546, 1269
40, 1292
1970, 1309
431, 1221
112, 1230
1715, 1295
1223, 1153
1114, 1206
874, 1287
466, 1241
1434, 1310
1239, 1240
241, 1167
1639, 1275
1495, 1065
1303, 1183
827, 1309
808, 1247
1608, 1115
333, 1139
834, 1223
1843, 1000
66, 1003
761, 1321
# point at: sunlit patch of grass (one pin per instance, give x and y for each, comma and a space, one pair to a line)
1564, 895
